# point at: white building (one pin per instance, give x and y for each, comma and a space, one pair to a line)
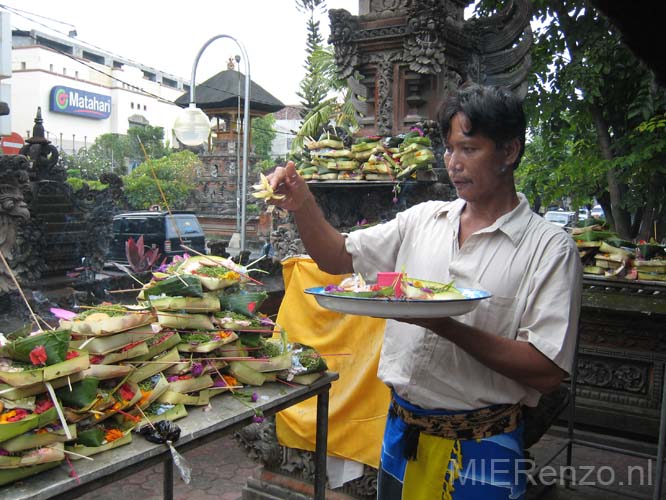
287, 121
85, 92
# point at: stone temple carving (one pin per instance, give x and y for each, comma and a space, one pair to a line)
14, 185
401, 57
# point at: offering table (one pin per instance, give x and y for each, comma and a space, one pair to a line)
227, 414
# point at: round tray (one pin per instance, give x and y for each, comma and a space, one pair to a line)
399, 308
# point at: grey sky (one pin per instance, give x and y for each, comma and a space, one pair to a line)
167, 35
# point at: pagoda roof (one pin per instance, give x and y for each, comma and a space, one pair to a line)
221, 91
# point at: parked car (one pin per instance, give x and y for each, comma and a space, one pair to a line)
160, 230
597, 212
561, 218
583, 213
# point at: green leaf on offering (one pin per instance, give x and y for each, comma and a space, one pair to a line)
91, 437
55, 343
82, 394
251, 339
246, 303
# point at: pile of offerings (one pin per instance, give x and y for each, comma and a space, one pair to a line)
603, 253
33, 429
371, 158
413, 153
329, 160
193, 333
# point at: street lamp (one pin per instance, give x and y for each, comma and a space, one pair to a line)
190, 129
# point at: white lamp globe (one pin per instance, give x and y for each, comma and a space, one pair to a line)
192, 126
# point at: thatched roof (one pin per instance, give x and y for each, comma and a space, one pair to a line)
221, 91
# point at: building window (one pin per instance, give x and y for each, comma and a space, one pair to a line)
64, 71
51, 68
92, 57
23, 65
144, 107
132, 105
169, 82
76, 75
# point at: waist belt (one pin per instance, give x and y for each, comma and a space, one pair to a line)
475, 424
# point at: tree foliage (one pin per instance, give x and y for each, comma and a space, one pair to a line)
263, 134
115, 152
313, 87
176, 175
594, 111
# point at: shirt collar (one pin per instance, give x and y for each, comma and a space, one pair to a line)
513, 224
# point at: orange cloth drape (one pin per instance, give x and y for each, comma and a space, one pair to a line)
358, 400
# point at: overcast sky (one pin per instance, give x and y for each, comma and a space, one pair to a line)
168, 34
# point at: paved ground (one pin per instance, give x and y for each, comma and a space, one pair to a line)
220, 469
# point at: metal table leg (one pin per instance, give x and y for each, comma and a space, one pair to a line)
662, 442
320, 446
168, 479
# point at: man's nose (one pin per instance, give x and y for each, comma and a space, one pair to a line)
451, 160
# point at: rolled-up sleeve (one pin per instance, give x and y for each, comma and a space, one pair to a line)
550, 320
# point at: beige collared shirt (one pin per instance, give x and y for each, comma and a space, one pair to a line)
531, 267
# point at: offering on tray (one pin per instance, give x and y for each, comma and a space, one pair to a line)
397, 286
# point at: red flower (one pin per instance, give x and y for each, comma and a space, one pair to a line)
126, 392
251, 306
43, 405
38, 355
95, 360
72, 355
19, 415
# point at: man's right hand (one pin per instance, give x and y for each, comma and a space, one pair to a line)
286, 180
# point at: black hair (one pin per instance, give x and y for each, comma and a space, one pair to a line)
492, 111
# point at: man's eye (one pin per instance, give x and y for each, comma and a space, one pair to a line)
469, 149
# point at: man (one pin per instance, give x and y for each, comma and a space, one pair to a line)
454, 427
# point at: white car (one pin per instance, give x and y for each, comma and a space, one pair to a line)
583, 213
560, 218
597, 212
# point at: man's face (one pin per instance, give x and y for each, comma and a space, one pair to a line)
477, 167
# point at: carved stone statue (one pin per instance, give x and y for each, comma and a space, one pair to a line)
14, 184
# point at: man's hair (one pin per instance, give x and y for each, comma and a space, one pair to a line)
492, 111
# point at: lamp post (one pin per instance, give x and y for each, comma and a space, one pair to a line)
192, 131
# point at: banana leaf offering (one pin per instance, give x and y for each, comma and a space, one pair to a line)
161, 342
33, 375
37, 438
41, 349
97, 439
205, 341
158, 364
108, 319
37, 456
25, 415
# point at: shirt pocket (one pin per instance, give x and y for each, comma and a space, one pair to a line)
495, 315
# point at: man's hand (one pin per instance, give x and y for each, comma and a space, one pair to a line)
286, 181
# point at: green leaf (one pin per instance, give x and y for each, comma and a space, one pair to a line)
82, 394
91, 437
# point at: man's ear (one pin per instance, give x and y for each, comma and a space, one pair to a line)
512, 150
